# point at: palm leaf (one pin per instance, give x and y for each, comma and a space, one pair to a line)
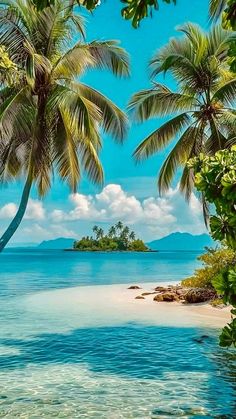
161, 137
226, 93
159, 101
216, 8
65, 153
179, 156
113, 120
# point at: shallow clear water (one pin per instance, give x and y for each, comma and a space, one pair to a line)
127, 370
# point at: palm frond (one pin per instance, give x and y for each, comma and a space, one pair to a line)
198, 40
161, 137
65, 153
90, 161
159, 101
103, 55
226, 93
216, 8
81, 114
113, 120
178, 156
218, 42
186, 184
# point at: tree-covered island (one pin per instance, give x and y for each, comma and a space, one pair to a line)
118, 238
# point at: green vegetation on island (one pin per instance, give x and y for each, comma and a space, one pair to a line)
119, 238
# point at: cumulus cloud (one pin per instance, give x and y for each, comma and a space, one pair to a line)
160, 215
152, 217
8, 210
46, 233
34, 210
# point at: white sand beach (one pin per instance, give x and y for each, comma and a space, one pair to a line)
104, 305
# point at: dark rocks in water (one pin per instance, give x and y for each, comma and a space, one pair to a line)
201, 339
147, 293
199, 295
139, 297
134, 287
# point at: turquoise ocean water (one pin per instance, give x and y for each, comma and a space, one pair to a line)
129, 370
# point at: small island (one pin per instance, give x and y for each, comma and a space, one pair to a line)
119, 238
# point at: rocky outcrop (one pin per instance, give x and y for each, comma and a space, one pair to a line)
199, 295
167, 297
178, 293
183, 294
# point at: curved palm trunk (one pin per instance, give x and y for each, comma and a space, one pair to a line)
18, 217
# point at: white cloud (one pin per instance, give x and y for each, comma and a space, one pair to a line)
151, 218
159, 216
34, 210
8, 210
36, 232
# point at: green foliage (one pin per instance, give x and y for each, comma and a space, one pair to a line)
134, 10
226, 10
215, 176
137, 245
214, 261
202, 110
118, 238
8, 69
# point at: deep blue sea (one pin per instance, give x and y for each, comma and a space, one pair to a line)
51, 365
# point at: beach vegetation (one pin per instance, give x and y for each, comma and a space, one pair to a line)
51, 122
118, 238
225, 11
213, 261
216, 177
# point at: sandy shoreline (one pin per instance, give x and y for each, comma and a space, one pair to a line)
106, 305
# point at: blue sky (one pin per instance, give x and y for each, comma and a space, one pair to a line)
130, 191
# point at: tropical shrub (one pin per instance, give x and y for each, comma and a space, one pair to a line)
216, 177
214, 261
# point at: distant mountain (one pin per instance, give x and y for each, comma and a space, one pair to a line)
60, 243
182, 241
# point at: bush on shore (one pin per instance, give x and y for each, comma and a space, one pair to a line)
214, 261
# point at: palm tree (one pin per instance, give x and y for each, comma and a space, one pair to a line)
95, 231
204, 118
49, 120
119, 226
100, 233
112, 232
132, 236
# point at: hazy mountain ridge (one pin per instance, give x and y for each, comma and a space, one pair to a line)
59, 243
182, 241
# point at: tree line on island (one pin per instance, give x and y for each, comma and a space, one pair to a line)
118, 238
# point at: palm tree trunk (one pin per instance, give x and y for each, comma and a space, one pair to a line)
19, 215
